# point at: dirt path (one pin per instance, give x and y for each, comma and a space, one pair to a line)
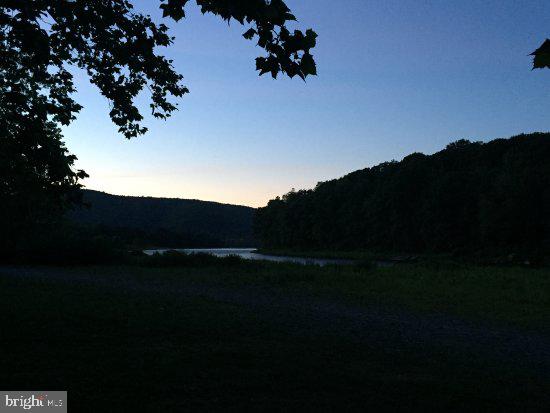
390, 329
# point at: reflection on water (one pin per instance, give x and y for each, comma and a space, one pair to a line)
249, 254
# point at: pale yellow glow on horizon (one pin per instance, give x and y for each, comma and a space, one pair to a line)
237, 193
249, 184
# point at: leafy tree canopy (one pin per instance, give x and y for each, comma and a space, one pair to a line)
541, 58
117, 47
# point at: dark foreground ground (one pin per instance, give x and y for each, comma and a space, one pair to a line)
234, 336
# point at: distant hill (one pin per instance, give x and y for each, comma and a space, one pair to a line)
165, 222
472, 197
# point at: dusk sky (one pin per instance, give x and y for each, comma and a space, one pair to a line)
395, 77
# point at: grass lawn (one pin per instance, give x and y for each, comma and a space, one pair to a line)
513, 295
117, 348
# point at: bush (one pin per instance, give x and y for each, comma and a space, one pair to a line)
181, 259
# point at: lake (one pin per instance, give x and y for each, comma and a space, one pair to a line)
250, 254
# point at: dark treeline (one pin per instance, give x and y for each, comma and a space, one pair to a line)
102, 228
470, 198
164, 222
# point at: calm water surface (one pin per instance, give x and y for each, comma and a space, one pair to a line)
250, 254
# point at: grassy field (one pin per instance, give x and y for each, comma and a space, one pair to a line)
513, 295
124, 337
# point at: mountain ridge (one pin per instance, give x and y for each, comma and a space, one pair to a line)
165, 222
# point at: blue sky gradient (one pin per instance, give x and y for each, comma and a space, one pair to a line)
395, 77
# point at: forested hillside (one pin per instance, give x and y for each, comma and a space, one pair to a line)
163, 222
471, 197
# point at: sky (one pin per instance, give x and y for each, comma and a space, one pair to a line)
394, 77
